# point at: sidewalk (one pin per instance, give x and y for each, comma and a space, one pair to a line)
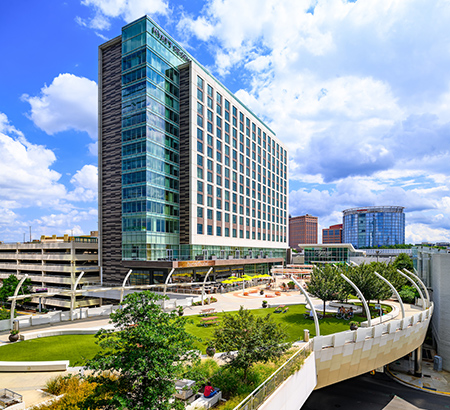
431, 380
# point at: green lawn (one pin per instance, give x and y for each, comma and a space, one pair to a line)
293, 323
78, 348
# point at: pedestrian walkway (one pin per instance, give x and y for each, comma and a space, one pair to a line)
431, 381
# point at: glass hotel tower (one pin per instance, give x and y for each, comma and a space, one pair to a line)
374, 226
189, 178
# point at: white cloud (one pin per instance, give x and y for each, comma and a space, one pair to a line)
85, 182
66, 222
127, 10
68, 103
29, 186
418, 233
25, 174
359, 92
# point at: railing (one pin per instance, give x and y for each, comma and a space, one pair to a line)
258, 396
8, 398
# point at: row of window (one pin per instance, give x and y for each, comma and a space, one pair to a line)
150, 192
280, 152
234, 233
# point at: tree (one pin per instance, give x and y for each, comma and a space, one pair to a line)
326, 284
403, 261
255, 339
408, 294
9, 286
372, 287
146, 351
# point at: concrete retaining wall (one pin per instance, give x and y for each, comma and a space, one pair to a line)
54, 366
62, 332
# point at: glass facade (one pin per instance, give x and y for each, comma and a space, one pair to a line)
150, 143
374, 226
238, 176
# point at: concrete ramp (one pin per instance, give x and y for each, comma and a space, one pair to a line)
348, 354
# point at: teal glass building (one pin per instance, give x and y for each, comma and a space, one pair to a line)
374, 226
186, 171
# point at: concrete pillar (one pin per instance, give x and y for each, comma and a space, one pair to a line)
418, 362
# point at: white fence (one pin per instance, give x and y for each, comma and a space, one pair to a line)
58, 316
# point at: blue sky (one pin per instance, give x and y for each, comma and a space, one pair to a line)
358, 90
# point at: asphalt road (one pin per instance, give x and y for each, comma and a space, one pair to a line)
368, 392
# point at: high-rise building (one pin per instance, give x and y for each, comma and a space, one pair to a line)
333, 234
189, 177
374, 226
302, 229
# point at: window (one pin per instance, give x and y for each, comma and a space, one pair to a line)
210, 230
199, 108
200, 82
210, 91
199, 186
200, 199
200, 94
200, 229
209, 213
199, 160
199, 212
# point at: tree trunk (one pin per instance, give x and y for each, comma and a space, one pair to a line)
324, 302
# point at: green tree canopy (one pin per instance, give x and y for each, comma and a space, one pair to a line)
327, 284
389, 272
371, 287
9, 286
255, 339
146, 350
403, 261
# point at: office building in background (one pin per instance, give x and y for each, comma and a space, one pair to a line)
302, 229
333, 234
189, 177
374, 226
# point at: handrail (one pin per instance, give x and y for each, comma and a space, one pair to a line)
257, 397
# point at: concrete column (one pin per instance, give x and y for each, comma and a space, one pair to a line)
418, 362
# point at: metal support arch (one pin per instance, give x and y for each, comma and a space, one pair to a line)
361, 297
415, 285
402, 307
167, 280
73, 295
123, 284
316, 319
423, 285
13, 304
204, 282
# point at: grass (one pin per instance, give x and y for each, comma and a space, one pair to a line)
75, 348
293, 323
78, 348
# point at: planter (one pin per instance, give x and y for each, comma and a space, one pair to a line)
210, 351
14, 338
264, 305
353, 326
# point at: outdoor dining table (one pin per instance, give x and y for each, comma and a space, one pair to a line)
209, 320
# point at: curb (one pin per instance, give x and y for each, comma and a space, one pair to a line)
428, 390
